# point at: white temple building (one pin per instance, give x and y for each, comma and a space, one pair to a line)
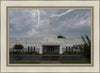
49, 44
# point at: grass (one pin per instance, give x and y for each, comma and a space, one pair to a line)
24, 62
75, 62
63, 62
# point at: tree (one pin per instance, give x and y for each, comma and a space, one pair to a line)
18, 47
60, 36
75, 47
86, 47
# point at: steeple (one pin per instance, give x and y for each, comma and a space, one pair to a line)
50, 27
50, 35
50, 20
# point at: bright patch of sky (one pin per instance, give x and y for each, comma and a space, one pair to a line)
34, 23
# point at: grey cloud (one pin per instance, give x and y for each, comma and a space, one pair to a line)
72, 25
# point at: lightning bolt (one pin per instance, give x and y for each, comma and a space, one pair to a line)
38, 12
68, 11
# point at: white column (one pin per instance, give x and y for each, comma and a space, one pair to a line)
41, 50
60, 50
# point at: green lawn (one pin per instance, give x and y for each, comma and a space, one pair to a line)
63, 62
75, 62
24, 62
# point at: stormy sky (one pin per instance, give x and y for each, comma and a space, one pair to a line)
34, 23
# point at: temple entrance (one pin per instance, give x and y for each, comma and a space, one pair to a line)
50, 49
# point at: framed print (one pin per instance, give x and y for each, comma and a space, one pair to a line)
50, 36
43, 44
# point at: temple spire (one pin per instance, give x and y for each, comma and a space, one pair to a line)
50, 35
50, 20
50, 28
